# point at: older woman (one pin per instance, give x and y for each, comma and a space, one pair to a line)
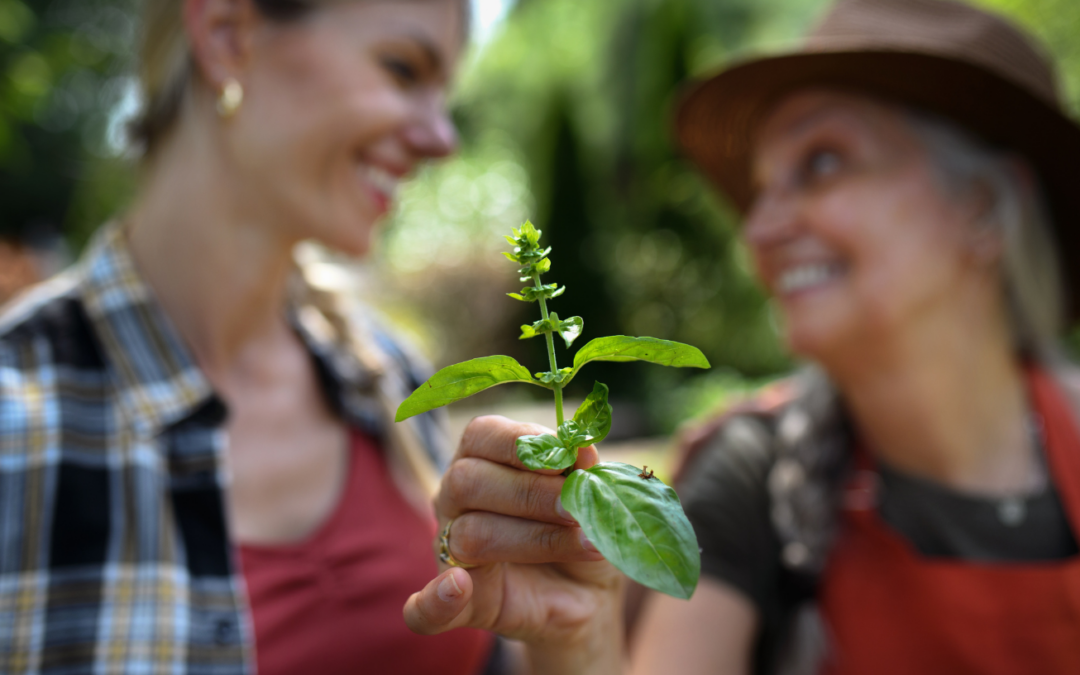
197, 470
910, 503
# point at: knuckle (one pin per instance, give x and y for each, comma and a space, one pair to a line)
416, 617
460, 482
468, 539
476, 429
535, 496
551, 540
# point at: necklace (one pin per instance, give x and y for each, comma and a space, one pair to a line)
1012, 511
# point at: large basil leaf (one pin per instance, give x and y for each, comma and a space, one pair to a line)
653, 350
462, 380
637, 524
545, 452
594, 414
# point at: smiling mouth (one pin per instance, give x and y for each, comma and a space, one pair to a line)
805, 277
382, 180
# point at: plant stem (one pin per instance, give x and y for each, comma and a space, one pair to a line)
551, 355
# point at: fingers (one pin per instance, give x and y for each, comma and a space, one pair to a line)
472, 484
494, 438
441, 605
587, 457
480, 538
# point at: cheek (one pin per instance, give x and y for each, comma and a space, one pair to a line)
903, 245
300, 150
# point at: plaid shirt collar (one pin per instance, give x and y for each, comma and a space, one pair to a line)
159, 381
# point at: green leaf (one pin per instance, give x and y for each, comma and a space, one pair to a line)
637, 524
594, 415
462, 380
545, 452
528, 234
540, 327
560, 377
542, 266
528, 331
532, 293
570, 329
653, 350
573, 435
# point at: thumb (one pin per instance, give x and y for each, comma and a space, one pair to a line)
441, 605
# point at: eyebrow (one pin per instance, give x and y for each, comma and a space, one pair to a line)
799, 128
801, 124
434, 54
431, 51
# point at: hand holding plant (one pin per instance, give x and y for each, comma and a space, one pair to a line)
631, 517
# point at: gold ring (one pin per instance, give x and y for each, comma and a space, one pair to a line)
444, 549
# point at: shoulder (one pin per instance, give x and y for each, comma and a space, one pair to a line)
48, 322
723, 486
51, 364
758, 483
736, 439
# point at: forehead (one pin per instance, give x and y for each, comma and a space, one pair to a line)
442, 24
801, 113
807, 115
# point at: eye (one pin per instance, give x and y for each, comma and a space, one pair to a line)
402, 70
822, 164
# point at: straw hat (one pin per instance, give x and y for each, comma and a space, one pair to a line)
944, 57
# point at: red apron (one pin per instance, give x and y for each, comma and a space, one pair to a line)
890, 611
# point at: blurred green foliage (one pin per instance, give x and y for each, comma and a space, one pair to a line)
565, 119
584, 92
61, 66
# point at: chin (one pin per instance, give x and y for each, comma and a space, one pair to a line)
351, 237
817, 340
354, 247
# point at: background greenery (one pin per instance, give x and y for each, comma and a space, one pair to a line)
565, 119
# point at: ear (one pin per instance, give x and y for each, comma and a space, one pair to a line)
983, 237
220, 33
988, 239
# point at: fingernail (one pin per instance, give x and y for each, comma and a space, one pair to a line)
448, 589
563, 513
588, 545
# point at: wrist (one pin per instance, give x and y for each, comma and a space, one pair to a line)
597, 648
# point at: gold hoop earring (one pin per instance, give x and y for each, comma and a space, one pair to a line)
232, 96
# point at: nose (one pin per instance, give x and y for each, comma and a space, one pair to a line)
432, 134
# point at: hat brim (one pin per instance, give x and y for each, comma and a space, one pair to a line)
717, 120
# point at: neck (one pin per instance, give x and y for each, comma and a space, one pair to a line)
945, 399
217, 265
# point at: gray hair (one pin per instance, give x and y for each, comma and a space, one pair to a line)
1030, 271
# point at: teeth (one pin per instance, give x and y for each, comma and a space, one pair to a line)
383, 180
807, 276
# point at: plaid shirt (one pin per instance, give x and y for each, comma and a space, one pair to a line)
114, 552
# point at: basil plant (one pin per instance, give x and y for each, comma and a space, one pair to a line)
632, 518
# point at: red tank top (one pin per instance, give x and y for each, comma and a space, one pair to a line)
890, 611
332, 604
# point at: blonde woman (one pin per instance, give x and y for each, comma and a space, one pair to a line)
197, 470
